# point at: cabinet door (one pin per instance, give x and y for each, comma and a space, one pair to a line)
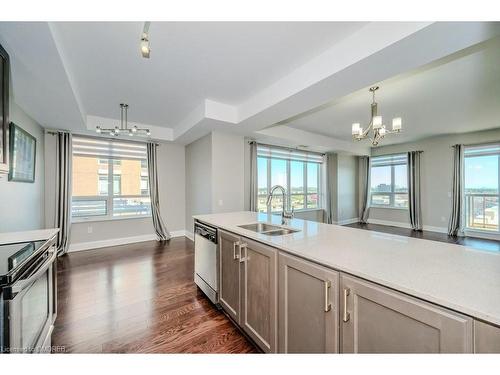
378, 320
486, 338
308, 307
259, 293
229, 293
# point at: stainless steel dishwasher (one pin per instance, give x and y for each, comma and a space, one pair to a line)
205, 260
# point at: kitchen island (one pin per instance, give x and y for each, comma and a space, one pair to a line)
464, 281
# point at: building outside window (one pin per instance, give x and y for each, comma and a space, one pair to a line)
297, 171
389, 181
108, 179
481, 182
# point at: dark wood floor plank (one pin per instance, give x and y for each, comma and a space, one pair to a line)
475, 243
139, 298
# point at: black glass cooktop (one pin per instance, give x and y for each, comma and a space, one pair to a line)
13, 255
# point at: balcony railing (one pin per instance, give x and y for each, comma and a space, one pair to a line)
482, 211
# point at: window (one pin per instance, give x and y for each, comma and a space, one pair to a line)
389, 181
109, 179
481, 175
297, 171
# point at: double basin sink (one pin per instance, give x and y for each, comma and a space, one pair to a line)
268, 229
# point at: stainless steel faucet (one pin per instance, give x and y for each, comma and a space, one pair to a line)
285, 214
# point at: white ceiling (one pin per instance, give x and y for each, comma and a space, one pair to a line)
190, 61
245, 77
459, 94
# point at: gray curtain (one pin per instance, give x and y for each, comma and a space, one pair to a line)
253, 176
160, 227
364, 188
414, 202
330, 161
63, 190
455, 224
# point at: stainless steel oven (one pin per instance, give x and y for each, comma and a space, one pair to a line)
28, 299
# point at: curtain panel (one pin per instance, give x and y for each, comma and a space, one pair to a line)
160, 228
62, 218
253, 177
364, 188
414, 191
455, 224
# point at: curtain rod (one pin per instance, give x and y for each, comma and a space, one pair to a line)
488, 143
54, 132
394, 153
287, 148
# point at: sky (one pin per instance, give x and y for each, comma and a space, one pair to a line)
278, 177
481, 172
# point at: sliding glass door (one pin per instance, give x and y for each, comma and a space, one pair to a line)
481, 172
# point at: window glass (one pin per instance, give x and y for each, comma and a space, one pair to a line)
401, 178
381, 179
278, 173
103, 169
482, 188
312, 177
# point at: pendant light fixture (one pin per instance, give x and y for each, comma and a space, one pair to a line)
145, 47
123, 128
376, 125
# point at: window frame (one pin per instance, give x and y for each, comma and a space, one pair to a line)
393, 192
471, 231
109, 197
289, 193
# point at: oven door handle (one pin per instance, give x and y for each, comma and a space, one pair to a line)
20, 285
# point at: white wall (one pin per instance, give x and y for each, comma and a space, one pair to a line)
436, 176
171, 176
228, 172
198, 179
215, 175
22, 204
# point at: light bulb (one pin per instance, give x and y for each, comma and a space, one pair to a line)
382, 131
130, 133
377, 122
148, 133
397, 123
134, 129
117, 130
145, 50
360, 131
98, 129
355, 128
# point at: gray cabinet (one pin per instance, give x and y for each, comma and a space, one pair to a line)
248, 287
308, 307
229, 292
375, 319
258, 288
486, 338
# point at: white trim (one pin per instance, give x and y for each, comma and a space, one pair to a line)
81, 246
407, 225
347, 221
97, 219
481, 234
189, 235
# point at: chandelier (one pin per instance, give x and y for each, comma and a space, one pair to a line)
376, 125
123, 128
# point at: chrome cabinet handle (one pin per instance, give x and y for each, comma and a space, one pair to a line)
243, 258
346, 316
328, 305
236, 256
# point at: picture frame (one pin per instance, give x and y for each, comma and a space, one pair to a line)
4, 109
22, 154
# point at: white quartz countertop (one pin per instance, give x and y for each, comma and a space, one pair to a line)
25, 236
454, 276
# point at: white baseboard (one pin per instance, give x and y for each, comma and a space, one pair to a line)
347, 221
399, 224
81, 246
189, 235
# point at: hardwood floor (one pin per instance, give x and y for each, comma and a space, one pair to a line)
139, 298
475, 243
